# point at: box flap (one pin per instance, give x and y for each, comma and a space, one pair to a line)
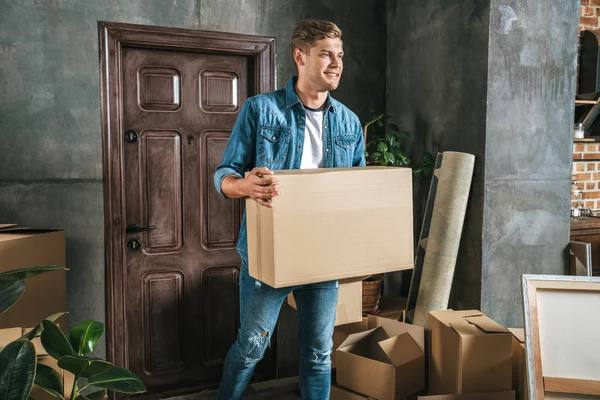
451, 317
518, 333
401, 349
354, 338
486, 324
395, 328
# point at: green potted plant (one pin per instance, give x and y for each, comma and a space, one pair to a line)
385, 145
19, 369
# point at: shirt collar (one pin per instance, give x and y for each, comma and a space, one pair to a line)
291, 97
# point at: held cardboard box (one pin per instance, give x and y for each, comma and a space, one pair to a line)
519, 366
470, 353
339, 393
508, 395
332, 223
44, 294
11, 334
385, 362
349, 306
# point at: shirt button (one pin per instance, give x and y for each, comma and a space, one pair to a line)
299, 146
327, 150
273, 138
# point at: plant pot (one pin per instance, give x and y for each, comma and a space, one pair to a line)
371, 292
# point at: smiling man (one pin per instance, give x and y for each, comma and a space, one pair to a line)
300, 126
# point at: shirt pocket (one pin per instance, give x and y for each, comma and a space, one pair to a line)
344, 150
273, 144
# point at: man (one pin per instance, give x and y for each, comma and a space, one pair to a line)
299, 126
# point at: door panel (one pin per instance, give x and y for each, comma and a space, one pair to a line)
181, 285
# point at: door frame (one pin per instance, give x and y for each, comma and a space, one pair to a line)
112, 38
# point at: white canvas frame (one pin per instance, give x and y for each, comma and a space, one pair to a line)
566, 299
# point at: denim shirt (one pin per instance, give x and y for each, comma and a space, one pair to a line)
269, 132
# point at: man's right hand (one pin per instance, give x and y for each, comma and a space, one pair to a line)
260, 185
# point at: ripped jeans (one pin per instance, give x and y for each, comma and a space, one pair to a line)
259, 309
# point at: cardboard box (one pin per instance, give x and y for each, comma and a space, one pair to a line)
332, 223
349, 306
45, 294
339, 393
519, 366
508, 395
341, 333
385, 362
9, 335
470, 353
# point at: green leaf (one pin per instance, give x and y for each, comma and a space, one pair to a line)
119, 380
49, 380
35, 332
99, 395
382, 147
17, 370
84, 366
393, 128
388, 157
81, 397
55, 342
24, 273
10, 293
404, 134
85, 335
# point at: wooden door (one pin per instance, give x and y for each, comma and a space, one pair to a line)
173, 294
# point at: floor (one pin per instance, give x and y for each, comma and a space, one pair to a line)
280, 389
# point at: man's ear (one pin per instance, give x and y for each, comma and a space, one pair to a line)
298, 57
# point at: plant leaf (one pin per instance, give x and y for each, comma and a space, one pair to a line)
49, 380
35, 332
84, 366
85, 335
99, 395
389, 157
17, 370
119, 380
55, 342
382, 147
404, 134
10, 293
24, 273
393, 128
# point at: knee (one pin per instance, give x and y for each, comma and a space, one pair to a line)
252, 347
318, 357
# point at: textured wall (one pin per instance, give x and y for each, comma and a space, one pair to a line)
436, 80
50, 138
491, 79
529, 136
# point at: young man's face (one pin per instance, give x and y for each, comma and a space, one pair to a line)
322, 66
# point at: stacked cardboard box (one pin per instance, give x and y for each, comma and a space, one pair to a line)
470, 353
11, 334
45, 294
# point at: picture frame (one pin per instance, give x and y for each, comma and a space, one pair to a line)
562, 329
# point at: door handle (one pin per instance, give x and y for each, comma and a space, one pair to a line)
135, 228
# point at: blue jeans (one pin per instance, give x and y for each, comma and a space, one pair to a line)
259, 309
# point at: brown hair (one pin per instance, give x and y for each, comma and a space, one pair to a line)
309, 31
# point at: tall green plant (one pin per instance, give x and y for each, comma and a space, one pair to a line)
19, 369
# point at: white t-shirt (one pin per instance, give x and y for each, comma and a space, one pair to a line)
312, 155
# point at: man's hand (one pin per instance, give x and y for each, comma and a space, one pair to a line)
260, 185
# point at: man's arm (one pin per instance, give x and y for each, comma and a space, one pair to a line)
238, 158
359, 149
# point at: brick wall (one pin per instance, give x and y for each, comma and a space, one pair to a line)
589, 15
586, 173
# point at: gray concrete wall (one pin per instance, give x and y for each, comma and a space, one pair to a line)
531, 91
50, 139
495, 79
436, 80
